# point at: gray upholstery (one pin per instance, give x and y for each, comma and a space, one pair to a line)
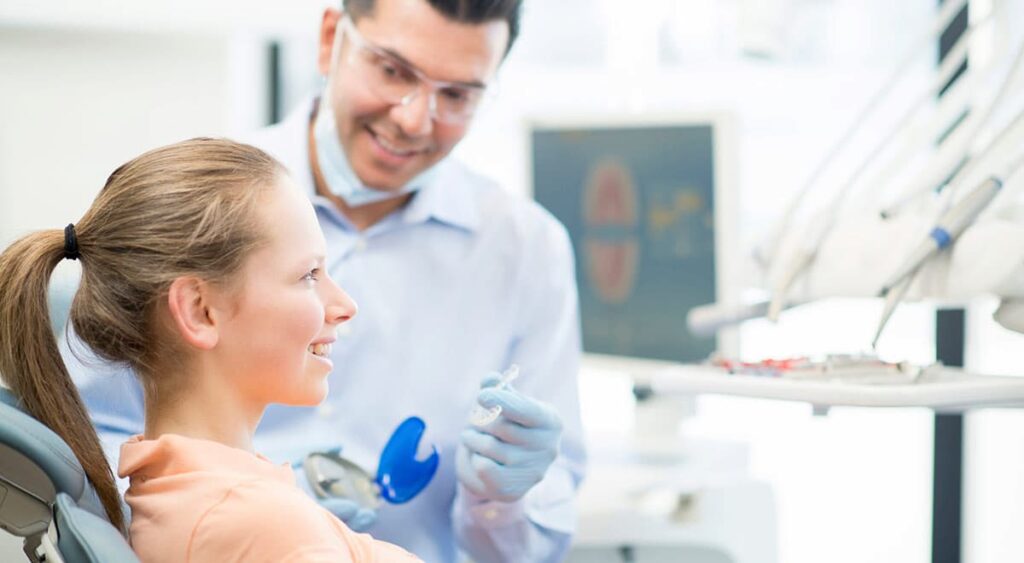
40, 444
26, 494
86, 538
8, 399
40, 476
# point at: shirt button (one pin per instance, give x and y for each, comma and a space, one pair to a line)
325, 410
360, 244
491, 514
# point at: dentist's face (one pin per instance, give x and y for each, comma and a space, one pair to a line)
388, 144
286, 310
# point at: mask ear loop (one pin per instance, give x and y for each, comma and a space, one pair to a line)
339, 33
332, 72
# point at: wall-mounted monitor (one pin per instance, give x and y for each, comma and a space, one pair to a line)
648, 205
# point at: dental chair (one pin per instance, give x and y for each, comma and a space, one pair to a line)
42, 486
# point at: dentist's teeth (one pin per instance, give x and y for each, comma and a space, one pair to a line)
320, 349
392, 148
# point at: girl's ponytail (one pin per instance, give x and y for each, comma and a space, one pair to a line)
31, 364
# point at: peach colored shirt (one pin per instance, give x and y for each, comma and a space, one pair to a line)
198, 501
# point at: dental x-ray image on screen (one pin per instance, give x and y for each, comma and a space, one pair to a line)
639, 203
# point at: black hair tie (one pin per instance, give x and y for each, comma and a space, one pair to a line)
71, 243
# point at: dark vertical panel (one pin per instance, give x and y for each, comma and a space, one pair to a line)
949, 336
947, 484
946, 41
950, 327
956, 28
273, 83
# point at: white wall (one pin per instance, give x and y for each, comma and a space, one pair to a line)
77, 104
993, 448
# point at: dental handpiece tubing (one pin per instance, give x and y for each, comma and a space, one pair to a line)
952, 223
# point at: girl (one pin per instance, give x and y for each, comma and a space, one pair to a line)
202, 269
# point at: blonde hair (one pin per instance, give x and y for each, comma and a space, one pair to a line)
183, 209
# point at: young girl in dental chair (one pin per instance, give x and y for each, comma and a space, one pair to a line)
221, 311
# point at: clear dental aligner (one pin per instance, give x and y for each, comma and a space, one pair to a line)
482, 416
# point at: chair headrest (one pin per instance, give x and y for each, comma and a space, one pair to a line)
41, 445
86, 538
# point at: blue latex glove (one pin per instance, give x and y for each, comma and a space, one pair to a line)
348, 511
356, 518
504, 459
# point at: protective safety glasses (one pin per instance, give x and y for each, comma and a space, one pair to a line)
396, 82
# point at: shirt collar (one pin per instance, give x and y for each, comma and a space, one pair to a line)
173, 454
448, 199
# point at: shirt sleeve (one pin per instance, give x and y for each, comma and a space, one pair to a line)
547, 347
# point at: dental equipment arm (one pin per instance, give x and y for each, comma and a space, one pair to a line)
892, 299
707, 320
925, 40
949, 227
960, 215
805, 253
956, 162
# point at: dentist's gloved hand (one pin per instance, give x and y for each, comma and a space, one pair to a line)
348, 511
504, 459
356, 518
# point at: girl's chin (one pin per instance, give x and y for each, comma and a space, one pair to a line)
311, 396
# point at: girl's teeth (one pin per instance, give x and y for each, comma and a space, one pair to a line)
320, 349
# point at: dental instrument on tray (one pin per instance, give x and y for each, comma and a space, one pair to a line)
857, 367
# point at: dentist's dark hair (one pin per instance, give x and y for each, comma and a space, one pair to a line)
183, 209
463, 11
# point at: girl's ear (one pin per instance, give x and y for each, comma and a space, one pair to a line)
189, 303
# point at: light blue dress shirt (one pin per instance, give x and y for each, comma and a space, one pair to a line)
464, 280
